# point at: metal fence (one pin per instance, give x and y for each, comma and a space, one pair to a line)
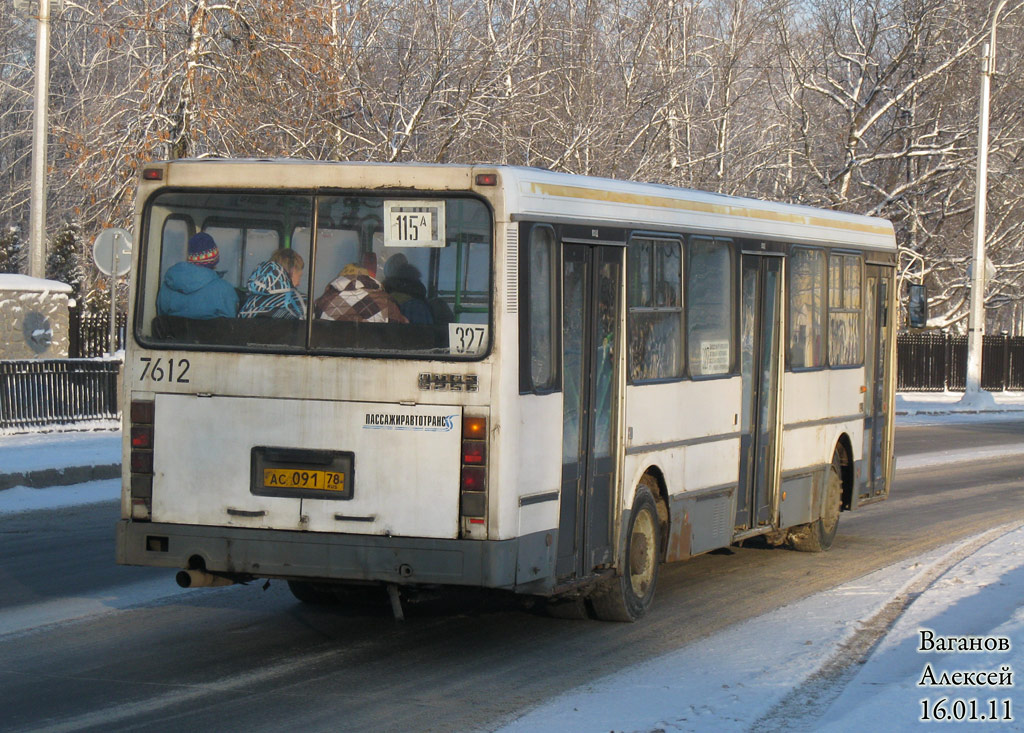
57, 391
90, 333
935, 362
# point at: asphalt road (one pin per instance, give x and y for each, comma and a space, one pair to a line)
244, 658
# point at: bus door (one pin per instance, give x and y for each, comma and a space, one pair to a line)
591, 317
876, 379
761, 330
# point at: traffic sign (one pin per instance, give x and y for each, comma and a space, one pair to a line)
112, 251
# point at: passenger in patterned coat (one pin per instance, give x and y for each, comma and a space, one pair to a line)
273, 288
356, 295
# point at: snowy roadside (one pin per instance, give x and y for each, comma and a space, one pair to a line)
25, 499
927, 408
760, 675
39, 451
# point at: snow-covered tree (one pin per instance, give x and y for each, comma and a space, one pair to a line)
65, 254
12, 250
863, 105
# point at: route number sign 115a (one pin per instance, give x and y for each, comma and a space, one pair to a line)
414, 223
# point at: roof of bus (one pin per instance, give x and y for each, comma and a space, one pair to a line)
535, 193
540, 193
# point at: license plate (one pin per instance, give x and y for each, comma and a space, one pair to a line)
279, 478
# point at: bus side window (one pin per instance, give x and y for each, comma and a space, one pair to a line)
537, 311
806, 308
655, 309
845, 345
709, 307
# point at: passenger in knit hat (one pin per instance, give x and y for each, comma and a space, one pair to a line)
194, 289
202, 250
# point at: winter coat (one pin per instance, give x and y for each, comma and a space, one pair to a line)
193, 291
356, 296
270, 293
410, 294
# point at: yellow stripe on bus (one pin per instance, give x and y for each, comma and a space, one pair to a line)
703, 207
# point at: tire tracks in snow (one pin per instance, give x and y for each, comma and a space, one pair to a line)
802, 706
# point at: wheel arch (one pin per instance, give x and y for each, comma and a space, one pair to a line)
659, 487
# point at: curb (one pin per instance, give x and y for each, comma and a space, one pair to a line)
47, 477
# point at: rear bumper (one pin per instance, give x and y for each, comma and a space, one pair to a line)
524, 564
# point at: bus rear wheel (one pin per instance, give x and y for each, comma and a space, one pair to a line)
819, 534
628, 595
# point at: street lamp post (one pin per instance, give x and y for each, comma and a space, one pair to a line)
976, 318
37, 203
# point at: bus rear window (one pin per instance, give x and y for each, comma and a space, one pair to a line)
345, 274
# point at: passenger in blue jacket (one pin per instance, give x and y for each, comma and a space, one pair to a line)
193, 289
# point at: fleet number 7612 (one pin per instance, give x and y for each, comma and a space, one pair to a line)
165, 370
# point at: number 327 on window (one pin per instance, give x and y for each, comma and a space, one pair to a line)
464, 338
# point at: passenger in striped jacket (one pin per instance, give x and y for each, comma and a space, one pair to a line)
273, 288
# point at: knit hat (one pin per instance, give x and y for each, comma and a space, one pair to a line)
202, 250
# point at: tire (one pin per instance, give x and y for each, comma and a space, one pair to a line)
819, 534
628, 595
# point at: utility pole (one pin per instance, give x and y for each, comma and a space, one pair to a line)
976, 319
37, 201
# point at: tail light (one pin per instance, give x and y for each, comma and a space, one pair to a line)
473, 488
140, 456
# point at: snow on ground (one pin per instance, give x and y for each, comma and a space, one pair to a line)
744, 678
90, 604
925, 408
941, 402
24, 499
37, 451
981, 596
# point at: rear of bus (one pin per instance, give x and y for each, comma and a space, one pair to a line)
335, 446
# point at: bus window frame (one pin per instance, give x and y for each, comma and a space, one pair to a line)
824, 308
829, 309
734, 247
680, 239
138, 301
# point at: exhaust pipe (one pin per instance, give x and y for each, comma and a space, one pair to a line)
201, 579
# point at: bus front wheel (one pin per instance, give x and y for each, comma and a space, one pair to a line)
628, 595
819, 535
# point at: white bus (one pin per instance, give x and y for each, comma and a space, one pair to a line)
595, 377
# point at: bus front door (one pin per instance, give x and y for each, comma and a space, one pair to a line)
760, 329
591, 285
876, 380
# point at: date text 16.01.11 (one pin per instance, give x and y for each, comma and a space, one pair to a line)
944, 709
